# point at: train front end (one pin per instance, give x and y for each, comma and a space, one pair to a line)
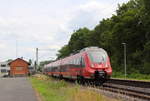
99, 66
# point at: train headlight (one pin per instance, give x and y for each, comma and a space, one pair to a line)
92, 65
106, 65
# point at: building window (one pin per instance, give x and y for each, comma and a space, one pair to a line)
3, 70
19, 68
3, 65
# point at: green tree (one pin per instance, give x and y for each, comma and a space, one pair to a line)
63, 52
78, 39
130, 24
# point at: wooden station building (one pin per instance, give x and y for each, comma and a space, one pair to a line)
19, 67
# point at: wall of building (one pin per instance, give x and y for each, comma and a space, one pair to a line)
4, 68
19, 67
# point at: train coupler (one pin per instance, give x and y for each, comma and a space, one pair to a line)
99, 74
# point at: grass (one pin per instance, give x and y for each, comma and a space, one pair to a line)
49, 91
132, 76
54, 90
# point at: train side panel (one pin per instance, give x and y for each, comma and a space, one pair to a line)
82, 65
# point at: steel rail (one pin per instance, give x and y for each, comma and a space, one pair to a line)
135, 83
133, 88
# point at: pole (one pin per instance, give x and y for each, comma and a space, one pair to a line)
125, 60
16, 48
0, 70
36, 67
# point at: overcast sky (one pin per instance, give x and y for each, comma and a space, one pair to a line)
46, 24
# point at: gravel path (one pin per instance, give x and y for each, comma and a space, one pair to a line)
16, 89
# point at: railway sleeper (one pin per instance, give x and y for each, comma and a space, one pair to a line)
128, 92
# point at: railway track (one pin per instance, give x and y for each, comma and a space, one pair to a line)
139, 90
136, 89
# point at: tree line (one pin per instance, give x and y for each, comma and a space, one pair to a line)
130, 25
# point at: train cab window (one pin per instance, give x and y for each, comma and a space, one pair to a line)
97, 56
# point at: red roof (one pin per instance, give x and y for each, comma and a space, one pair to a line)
19, 59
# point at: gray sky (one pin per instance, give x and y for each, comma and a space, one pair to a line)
46, 24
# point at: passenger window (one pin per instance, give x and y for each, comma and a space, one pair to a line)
82, 62
79, 59
76, 62
70, 62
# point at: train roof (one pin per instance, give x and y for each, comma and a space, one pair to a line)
76, 54
92, 49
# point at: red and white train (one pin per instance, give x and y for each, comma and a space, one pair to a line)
90, 63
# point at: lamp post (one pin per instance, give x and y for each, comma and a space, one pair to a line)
125, 60
36, 67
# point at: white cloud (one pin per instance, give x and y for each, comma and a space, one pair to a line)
90, 13
46, 24
2, 46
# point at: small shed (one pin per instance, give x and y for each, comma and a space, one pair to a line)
19, 67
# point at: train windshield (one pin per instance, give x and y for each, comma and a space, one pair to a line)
97, 56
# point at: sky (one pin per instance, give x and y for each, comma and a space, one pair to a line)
46, 24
